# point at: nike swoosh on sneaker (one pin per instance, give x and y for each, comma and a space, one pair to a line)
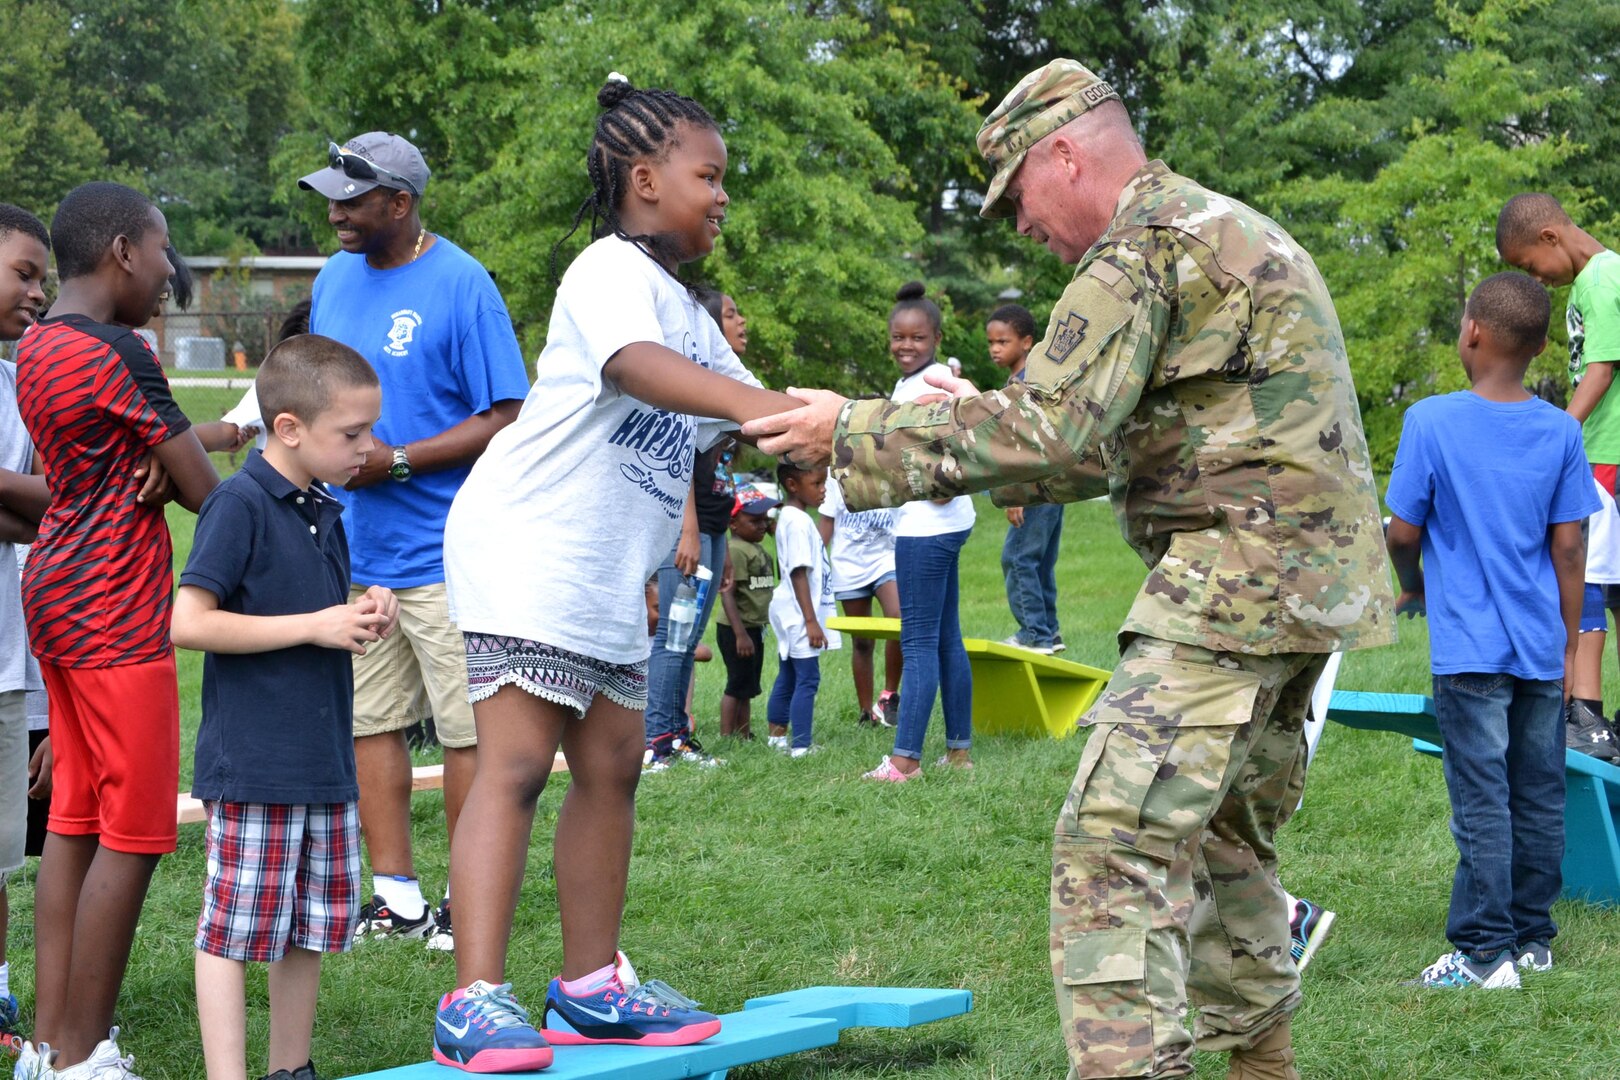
461, 1032
609, 1017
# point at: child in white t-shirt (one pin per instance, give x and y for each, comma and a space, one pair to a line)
800, 607
548, 548
929, 536
861, 547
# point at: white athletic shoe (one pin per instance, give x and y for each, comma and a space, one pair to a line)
34, 1064
104, 1063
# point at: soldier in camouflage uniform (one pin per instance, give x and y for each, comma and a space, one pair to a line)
1194, 369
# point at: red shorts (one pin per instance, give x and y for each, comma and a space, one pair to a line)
115, 747
1605, 475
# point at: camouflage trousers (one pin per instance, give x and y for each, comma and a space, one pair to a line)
1164, 870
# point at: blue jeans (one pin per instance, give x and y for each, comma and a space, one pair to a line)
668, 673
1029, 563
1504, 765
793, 698
931, 642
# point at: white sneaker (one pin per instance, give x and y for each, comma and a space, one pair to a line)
442, 938
104, 1063
777, 742
802, 751
34, 1064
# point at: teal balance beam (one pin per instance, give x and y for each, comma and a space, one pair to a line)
1591, 848
1411, 715
768, 1027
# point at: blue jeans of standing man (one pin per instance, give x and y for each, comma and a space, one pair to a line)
1504, 765
1029, 563
931, 642
669, 673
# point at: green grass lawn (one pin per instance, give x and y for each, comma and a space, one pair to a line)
772, 874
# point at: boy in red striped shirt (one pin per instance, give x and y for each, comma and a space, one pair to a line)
96, 596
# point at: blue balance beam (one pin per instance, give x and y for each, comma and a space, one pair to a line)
768, 1027
1591, 849
1411, 715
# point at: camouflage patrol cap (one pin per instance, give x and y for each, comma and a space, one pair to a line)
1043, 101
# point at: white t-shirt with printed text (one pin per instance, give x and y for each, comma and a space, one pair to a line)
862, 541
575, 504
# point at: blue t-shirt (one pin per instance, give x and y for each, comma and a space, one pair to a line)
277, 727
1485, 480
439, 336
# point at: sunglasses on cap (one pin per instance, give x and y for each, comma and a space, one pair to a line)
356, 167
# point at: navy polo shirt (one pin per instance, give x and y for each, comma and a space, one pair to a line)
277, 727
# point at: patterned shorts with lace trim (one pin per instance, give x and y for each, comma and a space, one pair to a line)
546, 671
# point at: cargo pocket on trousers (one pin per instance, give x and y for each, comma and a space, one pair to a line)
1107, 1017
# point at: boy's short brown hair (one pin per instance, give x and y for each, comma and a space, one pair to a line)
303, 372
1522, 218
1515, 308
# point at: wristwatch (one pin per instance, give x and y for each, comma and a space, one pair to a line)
401, 469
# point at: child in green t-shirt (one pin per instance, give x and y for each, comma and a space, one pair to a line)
1534, 234
740, 632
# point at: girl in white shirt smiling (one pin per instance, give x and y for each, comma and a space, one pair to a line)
547, 549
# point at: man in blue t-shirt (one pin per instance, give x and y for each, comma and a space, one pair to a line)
1488, 493
429, 318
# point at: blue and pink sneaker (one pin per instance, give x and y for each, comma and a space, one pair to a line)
649, 1014
482, 1029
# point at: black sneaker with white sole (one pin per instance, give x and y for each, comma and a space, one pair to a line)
1589, 732
378, 920
442, 938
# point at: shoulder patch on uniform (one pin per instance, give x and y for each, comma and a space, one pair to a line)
1070, 333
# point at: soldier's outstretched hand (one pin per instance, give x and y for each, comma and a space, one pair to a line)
804, 436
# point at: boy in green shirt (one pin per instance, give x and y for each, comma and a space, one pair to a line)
1536, 235
741, 630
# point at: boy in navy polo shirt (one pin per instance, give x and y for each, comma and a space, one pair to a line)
1488, 493
266, 594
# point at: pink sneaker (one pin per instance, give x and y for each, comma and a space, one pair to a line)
888, 773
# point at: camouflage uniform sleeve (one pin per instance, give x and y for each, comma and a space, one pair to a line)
1080, 383
1088, 479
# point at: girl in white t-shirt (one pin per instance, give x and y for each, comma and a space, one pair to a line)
861, 548
547, 548
928, 545
800, 608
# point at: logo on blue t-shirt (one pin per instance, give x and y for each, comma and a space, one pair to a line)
403, 332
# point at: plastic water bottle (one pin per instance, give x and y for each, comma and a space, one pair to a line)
683, 610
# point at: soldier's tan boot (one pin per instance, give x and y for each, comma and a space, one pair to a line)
1270, 1058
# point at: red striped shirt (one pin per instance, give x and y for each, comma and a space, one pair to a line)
98, 583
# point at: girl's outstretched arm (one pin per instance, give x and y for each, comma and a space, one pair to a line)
665, 379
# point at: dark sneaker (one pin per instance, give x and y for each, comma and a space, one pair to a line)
691, 751
483, 1029
1535, 956
1057, 643
1457, 971
887, 710
442, 938
650, 1014
1589, 732
378, 920
8, 1014
1308, 929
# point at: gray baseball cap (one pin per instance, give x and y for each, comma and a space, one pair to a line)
375, 159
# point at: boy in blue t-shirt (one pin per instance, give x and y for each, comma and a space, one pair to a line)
1488, 493
266, 594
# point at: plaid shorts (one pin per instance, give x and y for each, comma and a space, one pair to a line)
546, 671
280, 876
